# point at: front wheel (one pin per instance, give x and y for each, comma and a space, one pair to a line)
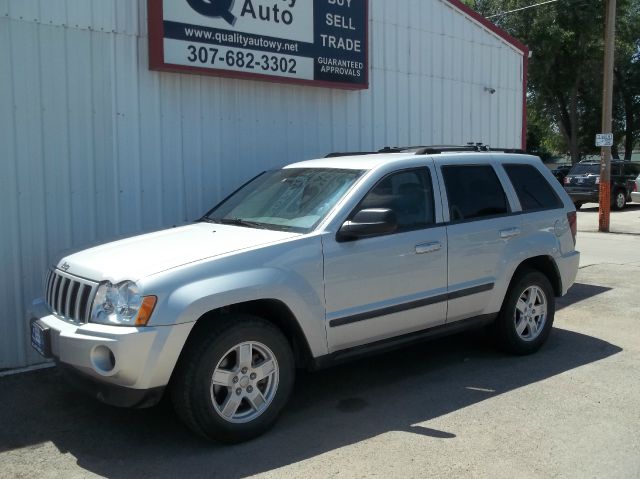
232, 383
526, 317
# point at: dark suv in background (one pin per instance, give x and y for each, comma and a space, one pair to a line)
583, 182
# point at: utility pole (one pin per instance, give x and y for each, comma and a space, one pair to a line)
607, 100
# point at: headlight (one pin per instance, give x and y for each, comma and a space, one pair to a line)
121, 304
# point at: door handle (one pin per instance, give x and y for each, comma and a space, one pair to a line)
428, 247
509, 233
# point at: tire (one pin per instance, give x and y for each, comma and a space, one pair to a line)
520, 328
619, 200
232, 382
578, 205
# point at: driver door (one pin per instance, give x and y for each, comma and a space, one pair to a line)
384, 286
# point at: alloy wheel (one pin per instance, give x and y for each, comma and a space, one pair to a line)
530, 313
244, 382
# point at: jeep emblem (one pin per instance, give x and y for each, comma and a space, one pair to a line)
65, 266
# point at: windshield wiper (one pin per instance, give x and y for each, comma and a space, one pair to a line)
236, 222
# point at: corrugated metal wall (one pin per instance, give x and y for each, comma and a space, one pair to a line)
93, 145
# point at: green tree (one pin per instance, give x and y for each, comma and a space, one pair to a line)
627, 76
565, 70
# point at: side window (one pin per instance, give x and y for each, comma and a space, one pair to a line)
474, 191
409, 194
534, 192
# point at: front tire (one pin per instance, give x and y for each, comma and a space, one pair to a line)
525, 320
234, 381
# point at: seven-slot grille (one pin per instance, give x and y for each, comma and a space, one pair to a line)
69, 296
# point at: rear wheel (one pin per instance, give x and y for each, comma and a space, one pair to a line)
526, 317
232, 384
619, 200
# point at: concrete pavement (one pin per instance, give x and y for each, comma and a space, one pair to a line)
625, 221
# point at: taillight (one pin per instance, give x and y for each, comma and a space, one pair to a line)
572, 217
635, 186
567, 180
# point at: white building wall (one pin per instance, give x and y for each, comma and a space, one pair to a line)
94, 146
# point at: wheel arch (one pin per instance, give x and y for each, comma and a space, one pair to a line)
269, 309
547, 266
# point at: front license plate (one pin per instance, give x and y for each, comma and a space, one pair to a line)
40, 338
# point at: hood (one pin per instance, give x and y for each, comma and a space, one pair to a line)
139, 256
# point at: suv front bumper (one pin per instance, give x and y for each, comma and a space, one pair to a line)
119, 365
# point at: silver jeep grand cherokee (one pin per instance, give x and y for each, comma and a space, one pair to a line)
303, 267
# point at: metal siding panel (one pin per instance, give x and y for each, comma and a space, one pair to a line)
31, 221
28, 10
79, 13
126, 14
192, 144
55, 147
142, 18
150, 142
81, 144
127, 144
172, 176
12, 348
103, 135
53, 13
103, 15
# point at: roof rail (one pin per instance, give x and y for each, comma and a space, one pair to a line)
336, 154
429, 150
479, 147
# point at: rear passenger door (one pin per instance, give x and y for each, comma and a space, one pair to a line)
480, 227
541, 208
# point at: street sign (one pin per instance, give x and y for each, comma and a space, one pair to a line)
604, 139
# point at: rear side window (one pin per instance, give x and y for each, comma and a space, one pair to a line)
474, 191
533, 190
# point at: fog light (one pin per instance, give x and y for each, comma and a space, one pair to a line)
103, 359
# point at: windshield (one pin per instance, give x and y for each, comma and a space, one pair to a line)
585, 170
292, 199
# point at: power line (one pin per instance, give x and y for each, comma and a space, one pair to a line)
522, 8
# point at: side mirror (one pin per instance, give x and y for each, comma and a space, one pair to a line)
368, 222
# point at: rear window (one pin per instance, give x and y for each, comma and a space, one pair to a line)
533, 190
632, 169
585, 170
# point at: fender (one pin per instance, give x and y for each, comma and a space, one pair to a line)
541, 243
297, 281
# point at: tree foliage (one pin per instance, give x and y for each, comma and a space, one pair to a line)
564, 94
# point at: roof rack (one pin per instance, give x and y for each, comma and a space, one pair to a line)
429, 150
